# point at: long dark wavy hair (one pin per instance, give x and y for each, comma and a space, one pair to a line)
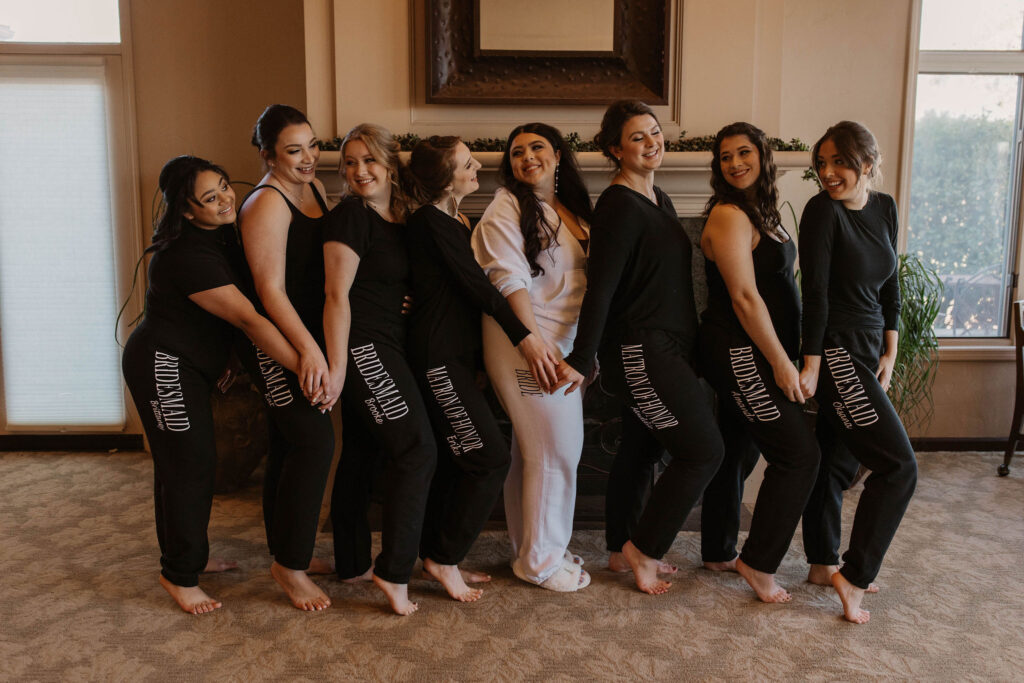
760, 202
177, 188
538, 233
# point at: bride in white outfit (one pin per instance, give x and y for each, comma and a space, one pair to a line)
532, 243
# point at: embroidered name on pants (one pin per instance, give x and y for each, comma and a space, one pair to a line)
464, 437
649, 407
389, 402
169, 408
752, 398
855, 407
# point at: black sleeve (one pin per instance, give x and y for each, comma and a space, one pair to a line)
458, 256
349, 223
197, 270
889, 297
817, 228
612, 237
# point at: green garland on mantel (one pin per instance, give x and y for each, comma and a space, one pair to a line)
577, 144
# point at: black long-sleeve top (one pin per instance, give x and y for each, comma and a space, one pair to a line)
450, 290
848, 263
638, 274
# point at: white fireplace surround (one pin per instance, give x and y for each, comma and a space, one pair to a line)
685, 176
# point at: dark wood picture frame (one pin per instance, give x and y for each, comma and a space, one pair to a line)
458, 73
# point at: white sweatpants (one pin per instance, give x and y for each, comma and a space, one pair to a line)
547, 440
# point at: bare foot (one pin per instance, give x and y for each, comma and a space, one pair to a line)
468, 575
618, 563
821, 575
301, 590
729, 566
851, 597
218, 564
398, 596
320, 566
645, 570
365, 576
762, 583
452, 580
192, 599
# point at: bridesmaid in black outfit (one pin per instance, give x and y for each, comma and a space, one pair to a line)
851, 296
749, 337
367, 273
198, 289
282, 222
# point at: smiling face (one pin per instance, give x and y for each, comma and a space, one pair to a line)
296, 154
739, 161
840, 180
464, 180
533, 160
212, 203
642, 146
366, 176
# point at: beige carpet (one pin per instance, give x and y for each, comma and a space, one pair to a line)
79, 599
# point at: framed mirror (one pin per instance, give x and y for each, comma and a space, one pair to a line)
546, 51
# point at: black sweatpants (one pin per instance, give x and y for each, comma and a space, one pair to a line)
653, 375
173, 401
720, 507
855, 412
631, 478
298, 461
746, 387
472, 460
381, 393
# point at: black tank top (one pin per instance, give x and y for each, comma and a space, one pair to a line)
773, 275
304, 264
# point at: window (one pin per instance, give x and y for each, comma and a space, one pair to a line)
66, 227
966, 172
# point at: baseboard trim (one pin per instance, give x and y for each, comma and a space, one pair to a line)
70, 442
957, 444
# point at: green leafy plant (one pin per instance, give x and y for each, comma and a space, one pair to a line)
577, 144
917, 354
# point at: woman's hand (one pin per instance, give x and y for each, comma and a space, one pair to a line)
406, 305
809, 375
542, 359
313, 371
331, 390
788, 378
886, 363
567, 374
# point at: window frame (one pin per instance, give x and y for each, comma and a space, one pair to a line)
973, 62
126, 209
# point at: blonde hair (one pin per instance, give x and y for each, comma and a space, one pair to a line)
384, 148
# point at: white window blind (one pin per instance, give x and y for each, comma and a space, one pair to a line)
57, 278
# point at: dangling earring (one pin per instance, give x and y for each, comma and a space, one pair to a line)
453, 206
556, 177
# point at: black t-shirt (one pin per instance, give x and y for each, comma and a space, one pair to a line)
197, 261
449, 291
638, 274
382, 280
776, 285
848, 265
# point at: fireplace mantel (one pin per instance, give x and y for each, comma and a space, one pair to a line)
684, 176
